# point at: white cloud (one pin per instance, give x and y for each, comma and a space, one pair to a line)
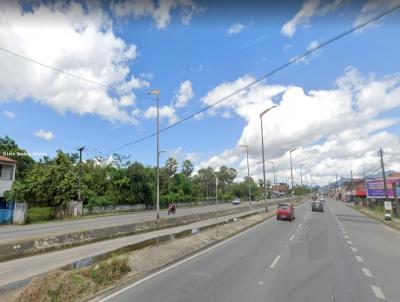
166, 112
372, 7
312, 45
309, 9
235, 29
337, 129
8, 114
74, 39
160, 12
184, 95
47, 135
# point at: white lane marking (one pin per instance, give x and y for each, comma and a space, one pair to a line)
347, 237
305, 218
275, 261
367, 272
6, 271
67, 256
299, 225
359, 259
378, 292
181, 262
260, 282
349, 242
353, 249
291, 238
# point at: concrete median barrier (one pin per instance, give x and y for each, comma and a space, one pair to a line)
27, 247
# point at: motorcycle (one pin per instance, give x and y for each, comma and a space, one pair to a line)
171, 209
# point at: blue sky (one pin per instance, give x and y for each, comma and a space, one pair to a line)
200, 50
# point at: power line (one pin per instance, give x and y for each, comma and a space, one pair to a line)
292, 61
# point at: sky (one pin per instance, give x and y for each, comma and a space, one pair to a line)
77, 74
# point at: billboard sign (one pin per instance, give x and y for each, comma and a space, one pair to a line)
376, 189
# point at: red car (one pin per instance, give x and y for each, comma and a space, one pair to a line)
285, 211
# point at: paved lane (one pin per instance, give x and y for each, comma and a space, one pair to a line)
309, 260
377, 245
13, 232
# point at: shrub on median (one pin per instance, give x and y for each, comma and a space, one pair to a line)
74, 285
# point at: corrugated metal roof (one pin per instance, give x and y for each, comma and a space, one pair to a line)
7, 159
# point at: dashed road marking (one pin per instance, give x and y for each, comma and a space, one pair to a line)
349, 242
291, 238
275, 261
260, 282
367, 272
359, 259
300, 225
6, 271
378, 292
354, 249
347, 237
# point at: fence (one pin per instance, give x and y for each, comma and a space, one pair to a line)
6, 212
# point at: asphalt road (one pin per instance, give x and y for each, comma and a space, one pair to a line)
14, 232
338, 255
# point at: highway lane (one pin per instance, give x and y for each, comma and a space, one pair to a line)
14, 232
309, 260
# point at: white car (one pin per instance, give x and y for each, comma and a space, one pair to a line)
236, 202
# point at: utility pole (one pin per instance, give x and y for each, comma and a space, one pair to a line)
383, 173
351, 185
396, 199
216, 201
80, 173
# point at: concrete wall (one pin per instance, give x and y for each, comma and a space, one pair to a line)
20, 213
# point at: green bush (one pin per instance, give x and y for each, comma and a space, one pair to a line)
36, 214
99, 201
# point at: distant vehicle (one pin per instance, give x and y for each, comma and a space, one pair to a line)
236, 202
314, 197
317, 206
285, 211
321, 199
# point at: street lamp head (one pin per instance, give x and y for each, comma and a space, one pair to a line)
265, 111
244, 146
294, 149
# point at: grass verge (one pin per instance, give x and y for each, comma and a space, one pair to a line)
377, 214
59, 285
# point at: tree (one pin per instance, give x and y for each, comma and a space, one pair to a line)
171, 166
225, 177
25, 163
187, 168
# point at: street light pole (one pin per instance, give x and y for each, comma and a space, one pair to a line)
262, 151
157, 93
291, 165
80, 174
248, 170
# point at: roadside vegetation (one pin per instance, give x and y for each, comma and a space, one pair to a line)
75, 285
50, 183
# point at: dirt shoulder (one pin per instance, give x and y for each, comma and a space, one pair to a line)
377, 215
